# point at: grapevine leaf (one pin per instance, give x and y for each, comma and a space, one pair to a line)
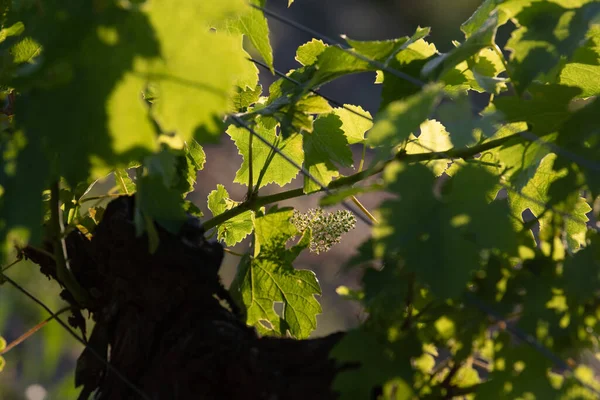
545, 111
396, 122
307, 53
380, 361
105, 57
582, 273
433, 137
410, 61
532, 377
325, 147
520, 159
480, 39
235, 229
254, 25
245, 97
547, 31
355, 122
269, 278
464, 128
535, 196
278, 170
124, 182
480, 17
579, 140
156, 200
417, 222
583, 70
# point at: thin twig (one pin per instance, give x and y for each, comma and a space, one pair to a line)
33, 330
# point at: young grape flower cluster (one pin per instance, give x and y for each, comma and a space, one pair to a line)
326, 228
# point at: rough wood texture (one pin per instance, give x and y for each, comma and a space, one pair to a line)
163, 321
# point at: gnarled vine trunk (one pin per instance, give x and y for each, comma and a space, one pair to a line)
164, 327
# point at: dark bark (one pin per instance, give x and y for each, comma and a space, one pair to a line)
165, 322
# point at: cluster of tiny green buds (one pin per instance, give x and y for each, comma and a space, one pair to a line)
326, 228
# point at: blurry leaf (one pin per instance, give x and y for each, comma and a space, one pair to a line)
545, 111
156, 200
279, 170
235, 229
105, 57
416, 222
355, 122
269, 277
380, 361
399, 119
433, 138
522, 367
14, 30
579, 141
325, 147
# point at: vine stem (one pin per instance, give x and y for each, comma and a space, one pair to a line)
259, 201
63, 270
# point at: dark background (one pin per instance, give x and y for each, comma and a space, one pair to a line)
42, 367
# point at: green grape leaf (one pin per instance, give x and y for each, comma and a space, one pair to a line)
355, 122
416, 222
246, 97
399, 119
325, 147
155, 200
124, 182
523, 368
235, 229
254, 25
579, 142
464, 128
410, 61
519, 160
547, 32
277, 169
308, 53
478, 40
380, 361
269, 278
545, 111
583, 70
480, 18
582, 273
535, 196
434, 138
14, 30
105, 58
